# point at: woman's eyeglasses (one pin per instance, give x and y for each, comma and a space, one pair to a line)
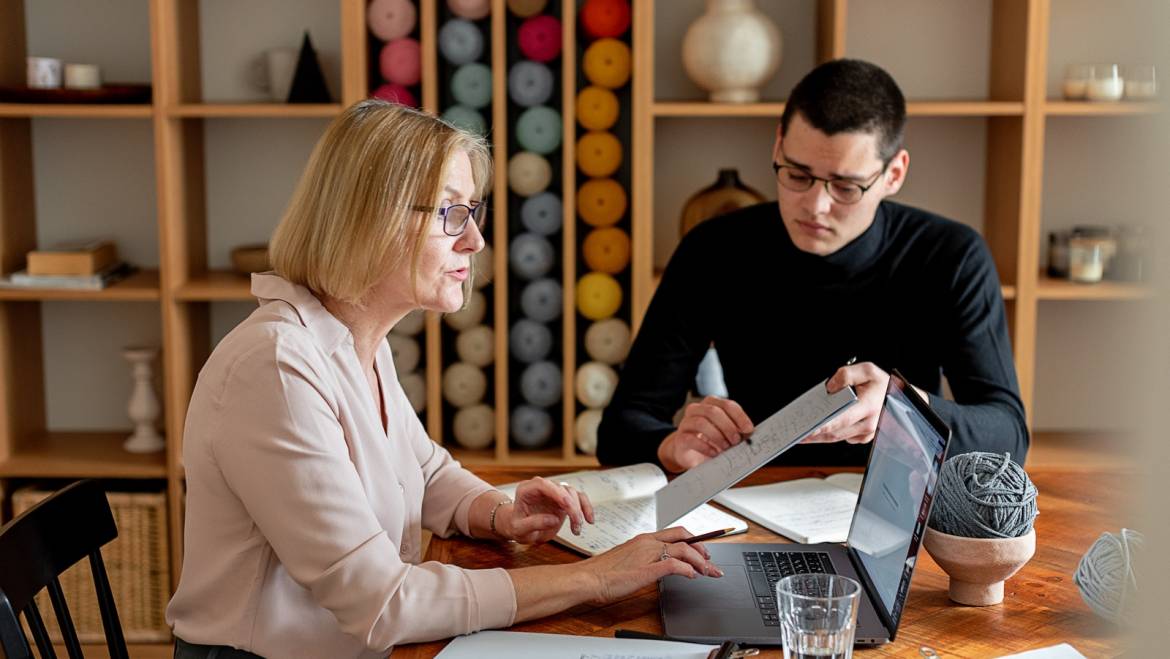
455, 216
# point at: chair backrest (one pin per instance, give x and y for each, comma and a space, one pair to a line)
35, 548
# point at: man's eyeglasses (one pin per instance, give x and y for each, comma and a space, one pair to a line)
841, 190
455, 216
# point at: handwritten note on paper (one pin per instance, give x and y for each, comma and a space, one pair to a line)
619, 483
623, 505
773, 436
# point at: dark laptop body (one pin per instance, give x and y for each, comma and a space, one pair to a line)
884, 538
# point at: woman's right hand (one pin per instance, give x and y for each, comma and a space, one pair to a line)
638, 562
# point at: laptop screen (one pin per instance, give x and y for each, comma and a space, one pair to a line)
904, 464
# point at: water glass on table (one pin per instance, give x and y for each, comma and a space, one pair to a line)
818, 615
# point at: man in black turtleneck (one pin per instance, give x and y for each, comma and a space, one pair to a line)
788, 292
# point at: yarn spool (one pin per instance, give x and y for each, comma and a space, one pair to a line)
542, 214
474, 426
532, 427
530, 341
391, 19
400, 62
471, 314
541, 300
471, 85
531, 256
529, 174
539, 130
984, 495
1107, 574
476, 345
466, 118
541, 383
396, 94
460, 41
530, 83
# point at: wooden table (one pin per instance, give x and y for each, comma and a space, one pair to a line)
1041, 606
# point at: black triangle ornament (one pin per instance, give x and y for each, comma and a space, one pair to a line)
308, 83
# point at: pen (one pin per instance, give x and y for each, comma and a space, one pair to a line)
719, 533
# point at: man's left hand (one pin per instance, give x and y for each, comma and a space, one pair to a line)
858, 423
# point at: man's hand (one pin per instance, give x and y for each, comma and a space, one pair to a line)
858, 423
708, 428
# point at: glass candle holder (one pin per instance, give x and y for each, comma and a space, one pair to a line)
1106, 84
1076, 81
1140, 82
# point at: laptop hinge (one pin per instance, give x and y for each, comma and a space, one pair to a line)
869, 590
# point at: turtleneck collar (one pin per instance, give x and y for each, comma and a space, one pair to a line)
852, 259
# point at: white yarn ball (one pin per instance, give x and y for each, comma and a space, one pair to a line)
405, 351
476, 345
475, 426
470, 315
1107, 575
463, 384
585, 434
595, 384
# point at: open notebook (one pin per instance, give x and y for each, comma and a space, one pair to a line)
623, 506
807, 510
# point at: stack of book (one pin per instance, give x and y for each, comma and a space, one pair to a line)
91, 265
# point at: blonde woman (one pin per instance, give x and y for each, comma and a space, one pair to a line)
309, 477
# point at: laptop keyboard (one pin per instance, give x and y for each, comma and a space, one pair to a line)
765, 568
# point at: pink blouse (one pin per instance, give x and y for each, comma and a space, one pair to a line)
304, 516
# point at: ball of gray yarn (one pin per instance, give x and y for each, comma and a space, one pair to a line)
541, 384
542, 214
460, 41
541, 300
530, 341
984, 495
1107, 575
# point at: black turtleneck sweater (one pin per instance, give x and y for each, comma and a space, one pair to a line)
915, 291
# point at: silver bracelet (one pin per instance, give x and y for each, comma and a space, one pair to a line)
492, 516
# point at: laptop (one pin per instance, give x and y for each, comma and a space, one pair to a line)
892, 510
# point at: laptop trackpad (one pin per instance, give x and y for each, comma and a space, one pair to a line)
708, 606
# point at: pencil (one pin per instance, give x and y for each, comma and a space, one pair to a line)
708, 536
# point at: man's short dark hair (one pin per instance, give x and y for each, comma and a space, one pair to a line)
847, 96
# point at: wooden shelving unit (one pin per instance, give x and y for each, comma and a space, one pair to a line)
254, 110
142, 286
76, 111
185, 285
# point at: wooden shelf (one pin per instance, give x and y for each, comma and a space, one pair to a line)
1061, 289
1103, 109
217, 285
142, 286
255, 110
697, 109
81, 455
138, 111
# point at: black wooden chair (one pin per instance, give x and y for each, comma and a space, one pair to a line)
35, 548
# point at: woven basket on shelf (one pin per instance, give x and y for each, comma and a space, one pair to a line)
137, 566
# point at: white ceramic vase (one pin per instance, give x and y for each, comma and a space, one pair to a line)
143, 407
731, 50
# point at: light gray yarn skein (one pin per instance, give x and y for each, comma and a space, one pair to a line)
1106, 575
984, 495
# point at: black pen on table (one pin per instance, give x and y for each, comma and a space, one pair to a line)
710, 535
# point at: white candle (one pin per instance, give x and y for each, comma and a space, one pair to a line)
1105, 89
83, 76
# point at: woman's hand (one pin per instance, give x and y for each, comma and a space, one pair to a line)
540, 510
643, 560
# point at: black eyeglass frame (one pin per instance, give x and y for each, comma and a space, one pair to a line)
776, 167
479, 212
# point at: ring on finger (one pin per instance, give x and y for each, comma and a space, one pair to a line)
664, 555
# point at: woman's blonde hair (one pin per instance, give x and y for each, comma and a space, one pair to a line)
350, 220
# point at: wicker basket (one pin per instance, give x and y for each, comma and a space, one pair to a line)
137, 566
